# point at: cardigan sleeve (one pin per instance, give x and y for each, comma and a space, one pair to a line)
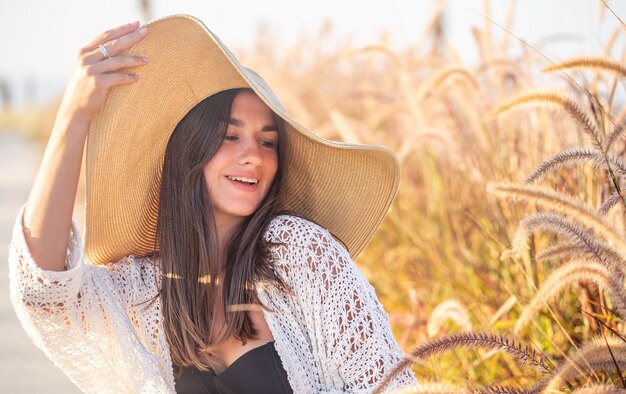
84, 318
349, 326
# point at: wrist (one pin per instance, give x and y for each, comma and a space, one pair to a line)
71, 123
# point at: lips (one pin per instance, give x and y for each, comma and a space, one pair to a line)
244, 183
242, 179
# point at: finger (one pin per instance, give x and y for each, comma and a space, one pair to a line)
119, 62
111, 34
107, 81
124, 42
118, 45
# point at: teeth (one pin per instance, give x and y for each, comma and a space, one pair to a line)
242, 179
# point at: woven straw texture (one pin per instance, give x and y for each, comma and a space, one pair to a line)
346, 188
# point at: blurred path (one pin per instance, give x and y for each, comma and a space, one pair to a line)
23, 367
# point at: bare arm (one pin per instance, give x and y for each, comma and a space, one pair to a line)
48, 212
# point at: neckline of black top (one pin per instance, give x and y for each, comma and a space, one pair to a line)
258, 370
241, 359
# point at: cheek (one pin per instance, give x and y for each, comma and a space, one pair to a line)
272, 165
213, 168
210, 175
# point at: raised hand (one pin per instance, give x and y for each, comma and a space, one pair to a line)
98, 69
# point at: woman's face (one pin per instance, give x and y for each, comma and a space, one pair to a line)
239, 176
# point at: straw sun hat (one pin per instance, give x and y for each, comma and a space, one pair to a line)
346, 188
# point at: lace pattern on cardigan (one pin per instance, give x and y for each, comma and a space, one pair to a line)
347, 326
84, 320
332, 334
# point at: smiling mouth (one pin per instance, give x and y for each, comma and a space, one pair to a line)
245, 181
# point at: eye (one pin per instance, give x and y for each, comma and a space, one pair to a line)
230, 137
268, 143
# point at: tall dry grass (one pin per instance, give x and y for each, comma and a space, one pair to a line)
545, 262
456, 127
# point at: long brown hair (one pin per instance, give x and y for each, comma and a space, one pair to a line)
187, 239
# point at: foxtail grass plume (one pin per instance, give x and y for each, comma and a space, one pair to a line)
593, 356
559, 251
614, 199
599, 389
551, 100
589, 62
431, 84
551, 200
573, 231
575, 156
448, 310
523, 354
618, 130
574, 272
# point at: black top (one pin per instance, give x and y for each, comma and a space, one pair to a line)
257, 371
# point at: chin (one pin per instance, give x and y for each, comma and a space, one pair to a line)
244, 213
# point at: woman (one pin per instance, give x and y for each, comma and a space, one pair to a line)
210, 266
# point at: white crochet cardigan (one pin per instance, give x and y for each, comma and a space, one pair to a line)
332, 335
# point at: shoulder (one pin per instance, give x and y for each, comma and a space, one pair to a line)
303, 242
297, 231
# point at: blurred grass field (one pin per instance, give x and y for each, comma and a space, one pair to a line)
437, 261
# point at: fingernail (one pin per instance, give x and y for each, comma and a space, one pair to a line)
142, 30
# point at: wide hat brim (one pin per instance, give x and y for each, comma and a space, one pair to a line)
345, 188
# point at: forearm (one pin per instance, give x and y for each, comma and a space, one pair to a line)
48, 212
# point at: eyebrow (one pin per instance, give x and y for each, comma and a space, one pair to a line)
239, 123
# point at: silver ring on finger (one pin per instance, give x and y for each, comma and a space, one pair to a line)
104, 51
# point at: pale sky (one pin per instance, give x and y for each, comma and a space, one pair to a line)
39, 39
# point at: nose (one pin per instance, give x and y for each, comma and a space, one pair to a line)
250, 153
